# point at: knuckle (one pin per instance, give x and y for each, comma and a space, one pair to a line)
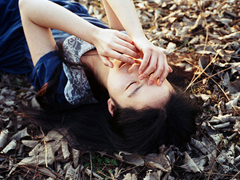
155, 75
152, 67
124, 50
143, 68
149, 49
108, 44
105, 63
106, 52
120, 57
115, 33
160, 69
144, 63
146, 73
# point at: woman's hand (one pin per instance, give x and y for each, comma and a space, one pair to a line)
154, 61
114, 44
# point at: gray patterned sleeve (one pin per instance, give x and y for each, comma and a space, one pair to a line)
77, 89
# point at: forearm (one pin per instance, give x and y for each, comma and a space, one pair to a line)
113, 20
126, 13
50, 15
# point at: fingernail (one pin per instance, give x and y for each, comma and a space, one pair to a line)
150, 82
132, 61
140, 71
110, 65
159, 83
141, 77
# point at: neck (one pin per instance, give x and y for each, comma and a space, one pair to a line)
94, 62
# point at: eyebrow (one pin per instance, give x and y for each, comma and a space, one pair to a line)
134, 91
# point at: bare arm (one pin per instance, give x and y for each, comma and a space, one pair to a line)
125, 12
38, 16
154, 60
113, 20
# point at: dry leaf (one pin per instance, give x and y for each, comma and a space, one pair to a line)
10, 146
3, 137
20, 134
129, 176
153, 175
189, 164
158, 161
65, 151
75, 154
30, 143
130, 158
230, 154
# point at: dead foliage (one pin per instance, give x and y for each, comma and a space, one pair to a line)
203, 36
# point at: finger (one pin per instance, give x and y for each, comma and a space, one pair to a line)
158, 72
164, 73
145, 61
124, 37
121, 57
106, 61
126, 44
152, 67
125, 50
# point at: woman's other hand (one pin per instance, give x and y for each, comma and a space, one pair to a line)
153, 61
114, 44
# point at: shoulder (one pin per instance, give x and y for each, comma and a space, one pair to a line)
74, 48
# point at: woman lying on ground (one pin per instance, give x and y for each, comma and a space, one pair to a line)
94, 84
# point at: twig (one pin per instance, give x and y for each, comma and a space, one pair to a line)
205, 44
219, 7
100, 172
91, 165
45, 145
235, 175
216, 73
202, 71
216, 159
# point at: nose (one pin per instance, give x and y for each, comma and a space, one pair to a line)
134, 68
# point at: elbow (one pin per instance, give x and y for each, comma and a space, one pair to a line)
22, 4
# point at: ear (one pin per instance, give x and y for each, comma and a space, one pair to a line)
111, 106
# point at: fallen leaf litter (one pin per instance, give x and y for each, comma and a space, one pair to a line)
203, 36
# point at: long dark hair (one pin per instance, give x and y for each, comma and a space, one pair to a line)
91, 127
144, 130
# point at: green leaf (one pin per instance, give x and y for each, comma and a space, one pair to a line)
86, 165
99, 160
114, 162
107, 160
111, 171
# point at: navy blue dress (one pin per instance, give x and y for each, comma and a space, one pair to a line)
14, 53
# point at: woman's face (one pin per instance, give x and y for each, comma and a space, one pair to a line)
125, 87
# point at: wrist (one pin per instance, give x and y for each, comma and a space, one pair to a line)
138, 35
95, 35
140, 39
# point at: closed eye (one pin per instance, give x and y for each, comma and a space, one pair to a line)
135, 91
130, 84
